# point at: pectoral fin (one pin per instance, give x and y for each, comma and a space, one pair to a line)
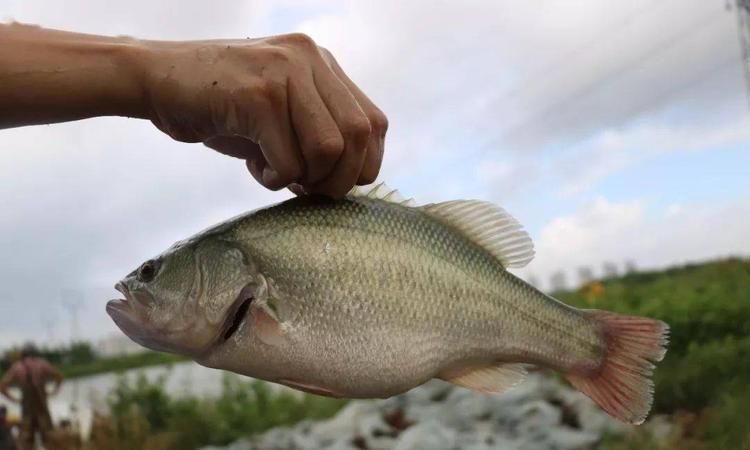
266, 325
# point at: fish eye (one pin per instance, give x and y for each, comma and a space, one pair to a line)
148, 271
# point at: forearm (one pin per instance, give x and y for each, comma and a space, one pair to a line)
6, 393
49, 76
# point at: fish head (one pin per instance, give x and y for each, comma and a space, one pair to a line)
184, 300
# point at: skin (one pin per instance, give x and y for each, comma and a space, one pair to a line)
281, 103
13, 377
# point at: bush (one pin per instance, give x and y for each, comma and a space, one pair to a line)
708, 309
143, 415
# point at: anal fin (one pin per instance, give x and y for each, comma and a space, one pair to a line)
493, 379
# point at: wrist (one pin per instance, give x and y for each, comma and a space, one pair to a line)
126, 73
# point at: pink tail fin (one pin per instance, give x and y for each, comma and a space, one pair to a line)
622, 384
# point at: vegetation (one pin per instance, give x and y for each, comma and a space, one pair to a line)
120, 363
706, 373
144, 416
80, 360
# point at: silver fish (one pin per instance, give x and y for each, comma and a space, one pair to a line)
370, 296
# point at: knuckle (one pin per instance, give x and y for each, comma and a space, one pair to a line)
329, 146
358, 128
279, 54
300, 40
379, 122
327, 55
270, 89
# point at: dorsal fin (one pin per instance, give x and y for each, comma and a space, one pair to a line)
381, 192
489, 226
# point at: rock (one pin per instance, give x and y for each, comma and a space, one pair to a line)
345, 423
485, 440
432, 391
239, 445
594, 420
540, 413
276, 439
568, 439
428, 435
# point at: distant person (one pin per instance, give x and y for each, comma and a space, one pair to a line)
31, 374
7, 441
281, 103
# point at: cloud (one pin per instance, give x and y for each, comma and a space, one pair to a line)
604, 231
513, 101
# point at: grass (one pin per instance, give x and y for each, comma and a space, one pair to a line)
119, 364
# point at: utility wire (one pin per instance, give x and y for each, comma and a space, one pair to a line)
629, 66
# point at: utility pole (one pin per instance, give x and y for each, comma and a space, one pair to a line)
742, 8
71, 301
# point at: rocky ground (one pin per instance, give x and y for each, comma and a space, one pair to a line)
540, 413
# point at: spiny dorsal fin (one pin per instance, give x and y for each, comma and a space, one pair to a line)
381, 192
489, 226
487, 379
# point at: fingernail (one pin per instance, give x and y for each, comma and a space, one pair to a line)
270, 177
297, 189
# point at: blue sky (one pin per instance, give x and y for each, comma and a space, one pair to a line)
614, 131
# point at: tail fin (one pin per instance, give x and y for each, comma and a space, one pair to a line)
622, 384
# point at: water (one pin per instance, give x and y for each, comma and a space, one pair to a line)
79, 398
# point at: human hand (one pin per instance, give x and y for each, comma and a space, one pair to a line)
281, 103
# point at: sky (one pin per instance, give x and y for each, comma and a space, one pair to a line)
616, 132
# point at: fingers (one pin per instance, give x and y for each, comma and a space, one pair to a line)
278, 142
279, 162
320, 140
242, 148
377, 119
354, 127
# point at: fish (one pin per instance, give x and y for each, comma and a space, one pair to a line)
371, 295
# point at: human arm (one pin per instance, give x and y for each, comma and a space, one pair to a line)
281, 103
8, 380
52, 374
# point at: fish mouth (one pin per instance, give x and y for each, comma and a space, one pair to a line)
124, 315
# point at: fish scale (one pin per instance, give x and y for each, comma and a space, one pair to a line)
418, 279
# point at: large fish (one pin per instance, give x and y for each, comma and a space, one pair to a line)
370, 296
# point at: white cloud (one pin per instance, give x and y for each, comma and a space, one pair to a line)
605, 231
85, 202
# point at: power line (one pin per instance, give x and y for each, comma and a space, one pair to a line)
564, 60
629, 66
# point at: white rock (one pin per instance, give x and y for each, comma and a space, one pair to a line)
568, 438
345, 422
429, 435
276, 439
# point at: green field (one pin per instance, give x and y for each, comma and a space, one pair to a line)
119, 364
704, 380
